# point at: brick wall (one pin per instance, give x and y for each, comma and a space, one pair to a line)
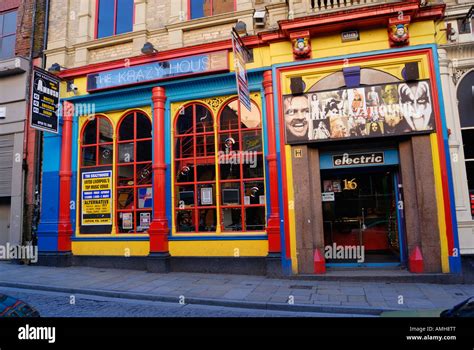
25, 27
6, 5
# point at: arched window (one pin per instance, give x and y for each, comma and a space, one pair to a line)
97, 143
195, 170
134, 173
241, 169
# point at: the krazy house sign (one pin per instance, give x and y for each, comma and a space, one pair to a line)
197, 64
357, 159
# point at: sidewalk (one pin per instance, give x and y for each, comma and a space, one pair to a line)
371, 298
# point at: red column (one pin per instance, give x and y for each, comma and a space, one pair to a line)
159, 226
273, 225
65, 174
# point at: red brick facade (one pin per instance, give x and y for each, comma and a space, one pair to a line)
6, 5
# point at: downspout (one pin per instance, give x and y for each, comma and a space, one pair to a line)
25, 169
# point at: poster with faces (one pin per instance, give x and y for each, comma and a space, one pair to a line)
368, 111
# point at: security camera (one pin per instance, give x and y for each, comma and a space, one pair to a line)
72, 87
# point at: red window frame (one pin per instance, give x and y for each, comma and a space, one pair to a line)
97, 143
134, 209
242, 180
212, 14
195, 159
96, 29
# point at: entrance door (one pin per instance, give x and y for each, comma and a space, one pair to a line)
4, 220
360, 212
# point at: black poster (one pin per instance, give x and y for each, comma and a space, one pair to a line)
44, 101
363, 112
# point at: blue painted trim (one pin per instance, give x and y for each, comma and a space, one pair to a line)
286, 262
362, 264
95, 239
454, 261
400, 220
216, 238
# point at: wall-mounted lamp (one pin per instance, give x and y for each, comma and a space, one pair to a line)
56, 68
241, 28
260, 18
149, 49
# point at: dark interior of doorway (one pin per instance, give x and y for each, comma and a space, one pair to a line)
361, 212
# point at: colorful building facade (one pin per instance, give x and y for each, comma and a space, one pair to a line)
157, 165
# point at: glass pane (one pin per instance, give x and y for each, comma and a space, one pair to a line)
185, 147
230, 193
204, 146
143, 221
125, 222
9, 23
229, 118
126, 128
206, 172
207, 220
143, 127
125, 198
144, 151
125, 11
7, 47
185, 221
126, 152
184, 171
200, 8
106, 132
90, 133
184, 124
252, 141
470, 175
125, 175
1, 24
204, 122
145, 197
89, 156
255, 219
229, 171
106, 154
144, 174
468, 143
222, 6
254, 193
206, 195
105, 25
253, 166
184, 196
229, 142
232, 219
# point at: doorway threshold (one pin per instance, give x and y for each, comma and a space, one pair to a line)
387, 275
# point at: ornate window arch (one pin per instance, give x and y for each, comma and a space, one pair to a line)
195, 170
241, 168
134, 173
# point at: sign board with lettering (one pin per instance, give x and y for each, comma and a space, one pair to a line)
241, 58
155, 71
384, 110
350, 35
96, 199
358, 159
44, 101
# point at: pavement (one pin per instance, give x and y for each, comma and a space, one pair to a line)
238, 291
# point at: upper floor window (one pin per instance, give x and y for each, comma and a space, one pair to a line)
114, 17
7, 34
205, 8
